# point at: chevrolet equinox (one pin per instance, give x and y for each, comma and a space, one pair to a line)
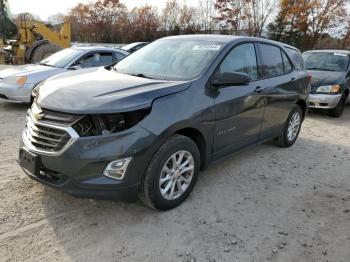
150, 123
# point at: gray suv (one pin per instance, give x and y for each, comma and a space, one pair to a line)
147, 125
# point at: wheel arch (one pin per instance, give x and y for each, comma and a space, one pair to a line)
303, 106
199, 139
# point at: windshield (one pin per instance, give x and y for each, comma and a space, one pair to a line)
62, 58
170, 59
326, 61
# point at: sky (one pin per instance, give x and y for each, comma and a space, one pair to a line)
45, 8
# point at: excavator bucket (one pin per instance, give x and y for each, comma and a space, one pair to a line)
8, 27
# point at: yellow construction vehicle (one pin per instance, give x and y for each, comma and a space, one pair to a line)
28, 41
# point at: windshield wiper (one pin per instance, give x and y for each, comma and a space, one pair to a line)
143, 76
321, 69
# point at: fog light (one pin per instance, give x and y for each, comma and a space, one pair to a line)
117, 169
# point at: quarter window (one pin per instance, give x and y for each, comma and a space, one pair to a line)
241, 59
286, 63
272, 60
296, 57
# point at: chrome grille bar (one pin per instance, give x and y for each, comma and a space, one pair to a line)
48, 138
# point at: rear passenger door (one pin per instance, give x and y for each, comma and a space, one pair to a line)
280, 88
239, 109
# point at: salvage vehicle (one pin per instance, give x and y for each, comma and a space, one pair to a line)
330, 70
17, 83
148, 124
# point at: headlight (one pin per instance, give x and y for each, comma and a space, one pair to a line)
104, 124
16, 80
333, 89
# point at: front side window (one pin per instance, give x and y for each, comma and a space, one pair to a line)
171, 59
272, 60
96, 60
326, 61
241, 59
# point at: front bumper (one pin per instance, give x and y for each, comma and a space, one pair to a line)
78, 170
16, 94
324, 101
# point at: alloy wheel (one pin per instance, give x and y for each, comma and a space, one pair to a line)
176, 175
294, 126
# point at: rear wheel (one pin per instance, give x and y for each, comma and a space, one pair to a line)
44, 51
292, 128
339, 109
172, 174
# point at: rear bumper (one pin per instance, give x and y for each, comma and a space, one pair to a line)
324, 101
15, 94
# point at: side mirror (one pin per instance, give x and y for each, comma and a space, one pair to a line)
230, 79
76, 67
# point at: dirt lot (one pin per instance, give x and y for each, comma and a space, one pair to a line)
263, 204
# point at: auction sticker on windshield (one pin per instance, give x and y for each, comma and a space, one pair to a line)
339, 54
206, 47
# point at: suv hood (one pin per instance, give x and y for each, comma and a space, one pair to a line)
320, 78
33, 72
98, 90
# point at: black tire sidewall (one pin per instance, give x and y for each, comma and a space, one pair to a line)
41, 50
170, 147
339, 109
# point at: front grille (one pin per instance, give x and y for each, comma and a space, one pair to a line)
58, 118
47, 130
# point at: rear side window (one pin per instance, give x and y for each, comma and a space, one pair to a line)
296, 57
106, 59
272, 60
286, 63
241, 59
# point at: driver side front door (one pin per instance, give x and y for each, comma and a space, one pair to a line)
239, 109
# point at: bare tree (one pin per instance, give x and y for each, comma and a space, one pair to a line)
247, 15
206, 14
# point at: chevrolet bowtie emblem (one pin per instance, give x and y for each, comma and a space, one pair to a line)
37, 113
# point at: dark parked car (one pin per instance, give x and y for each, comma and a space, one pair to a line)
133, 47
330, 70
149, 124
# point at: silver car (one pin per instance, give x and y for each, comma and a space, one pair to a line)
17, 82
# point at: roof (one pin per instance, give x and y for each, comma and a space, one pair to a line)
342, 51
100, 48
227, 39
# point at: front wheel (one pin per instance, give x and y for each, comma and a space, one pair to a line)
292, 128
172, 174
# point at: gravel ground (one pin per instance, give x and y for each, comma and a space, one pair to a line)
262, 204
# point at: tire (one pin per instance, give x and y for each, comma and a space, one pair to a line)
285, 139
43, 51
339, 109
151, 186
